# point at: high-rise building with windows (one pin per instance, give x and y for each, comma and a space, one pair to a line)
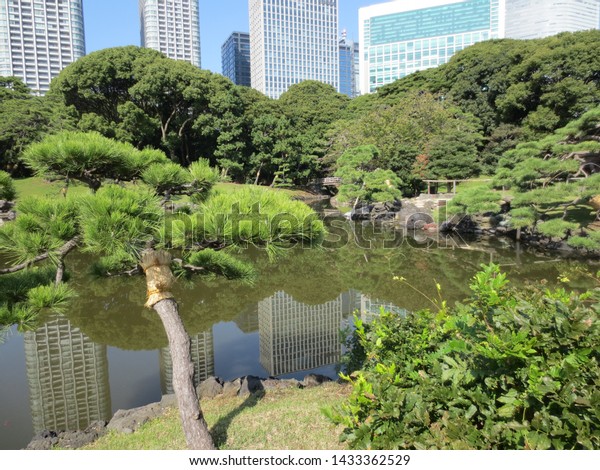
235, 58
39, 38
292, 41
404, 36
171, 27
530, 19
349, 67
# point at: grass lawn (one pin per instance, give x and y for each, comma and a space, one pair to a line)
294, 193
282, 419
36, 186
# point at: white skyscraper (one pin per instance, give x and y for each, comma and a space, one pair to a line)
401, 37
171, 27
292, 41
39, 38
530, 19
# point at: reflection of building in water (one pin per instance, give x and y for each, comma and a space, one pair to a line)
202, 357
247, 321
295, 336
370, 308
68, 377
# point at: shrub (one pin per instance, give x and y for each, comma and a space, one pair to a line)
7, 187
505, 370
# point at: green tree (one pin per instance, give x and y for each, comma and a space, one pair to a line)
419, 129
88, 157
7, 187
13, 87
122, 225
311, 107
25, 119
553, 181
534, 86
363, 182
139, 96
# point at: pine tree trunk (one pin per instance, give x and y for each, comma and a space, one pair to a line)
159, 279
195, 428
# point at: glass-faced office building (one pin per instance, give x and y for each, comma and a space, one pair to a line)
171, 27
402, 37
292, 41
531, 19
235, 58
39, 38
349, 63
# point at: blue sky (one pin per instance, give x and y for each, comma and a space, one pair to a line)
111, 23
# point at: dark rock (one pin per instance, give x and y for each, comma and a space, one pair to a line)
231, 389
45, 440
446, 227
393, 206
6, 205
418, 220
128, 421
78, 439
210, 388
250, 385
361, 213
314, 380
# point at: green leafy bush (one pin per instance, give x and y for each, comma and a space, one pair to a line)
505, 370
7, 187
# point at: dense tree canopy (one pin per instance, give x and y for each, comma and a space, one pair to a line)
554, 183
453, 121
24, 119
418, 137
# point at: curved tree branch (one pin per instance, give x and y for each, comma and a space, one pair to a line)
60, 254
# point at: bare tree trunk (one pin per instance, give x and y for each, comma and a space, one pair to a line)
159, 279
194, 426
60, 271
258, 174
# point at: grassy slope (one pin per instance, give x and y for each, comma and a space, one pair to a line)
283, 419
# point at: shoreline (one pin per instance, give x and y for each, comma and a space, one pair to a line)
130, 420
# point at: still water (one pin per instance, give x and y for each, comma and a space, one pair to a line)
108, 353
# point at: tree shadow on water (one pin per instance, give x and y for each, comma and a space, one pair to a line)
220, 428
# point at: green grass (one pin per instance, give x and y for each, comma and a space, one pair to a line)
282, 419
36, 186
234, 187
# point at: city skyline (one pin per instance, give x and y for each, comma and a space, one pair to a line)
218, 20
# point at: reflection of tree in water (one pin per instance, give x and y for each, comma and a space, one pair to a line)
310, 276
68, 377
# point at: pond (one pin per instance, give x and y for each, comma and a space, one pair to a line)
107, 352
